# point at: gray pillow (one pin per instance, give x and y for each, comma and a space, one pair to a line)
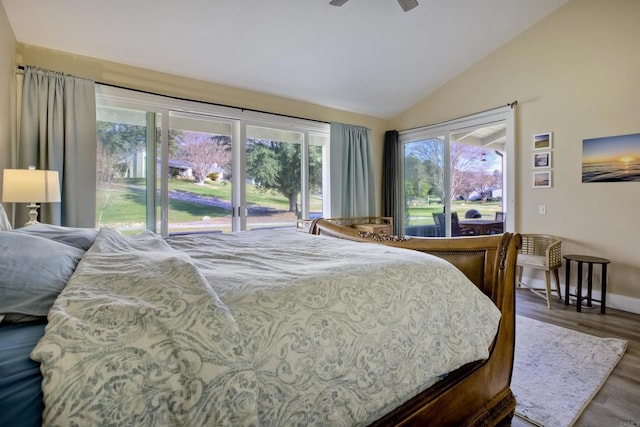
81, 238
34, 271
5, 225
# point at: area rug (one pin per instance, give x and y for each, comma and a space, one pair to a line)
558, 371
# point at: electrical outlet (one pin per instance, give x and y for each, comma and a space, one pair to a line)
542, 209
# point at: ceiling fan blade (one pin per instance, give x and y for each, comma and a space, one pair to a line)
337, 2
407, 5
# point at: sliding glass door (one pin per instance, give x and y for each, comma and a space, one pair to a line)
477, 177
284, 172
455, 176
172, 171
126, 167
273, 179
424, 188
199, 171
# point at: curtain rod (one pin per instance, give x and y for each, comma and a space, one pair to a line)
21, 69
511, 105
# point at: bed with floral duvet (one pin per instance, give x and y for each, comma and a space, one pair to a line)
260, 328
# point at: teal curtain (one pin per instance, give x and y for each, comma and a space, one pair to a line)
58, 132
351, 172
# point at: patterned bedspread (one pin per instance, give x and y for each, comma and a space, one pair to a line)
271, 327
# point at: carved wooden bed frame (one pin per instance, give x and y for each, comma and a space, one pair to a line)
477, 394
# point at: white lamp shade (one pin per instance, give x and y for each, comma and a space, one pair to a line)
29, 186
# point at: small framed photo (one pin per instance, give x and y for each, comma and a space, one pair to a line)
542, 160
542, 179
542, 141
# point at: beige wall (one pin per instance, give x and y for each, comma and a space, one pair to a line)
576, 74
7, 91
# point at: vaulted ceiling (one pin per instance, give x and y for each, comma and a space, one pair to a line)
367, 56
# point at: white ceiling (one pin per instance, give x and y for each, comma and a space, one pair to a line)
367, 56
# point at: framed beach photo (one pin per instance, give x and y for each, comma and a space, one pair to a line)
542, 160
542, 179
611, 159
542, 141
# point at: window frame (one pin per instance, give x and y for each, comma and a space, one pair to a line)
110, 96
444, 129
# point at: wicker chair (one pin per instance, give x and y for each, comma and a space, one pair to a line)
541, 252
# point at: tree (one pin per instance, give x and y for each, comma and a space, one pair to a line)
464, 164
315, 169
467, 171
275, 166
416, 180
118, 146
485, 183
430, 153
471, 174
118, 143
203, 152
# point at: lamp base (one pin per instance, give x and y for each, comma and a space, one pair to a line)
33, 214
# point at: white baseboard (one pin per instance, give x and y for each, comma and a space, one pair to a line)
624, 303
618, 302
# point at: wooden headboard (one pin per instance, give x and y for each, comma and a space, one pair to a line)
480, 258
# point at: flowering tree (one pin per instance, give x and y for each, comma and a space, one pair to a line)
203, 152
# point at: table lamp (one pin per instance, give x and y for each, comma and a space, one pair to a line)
30, 186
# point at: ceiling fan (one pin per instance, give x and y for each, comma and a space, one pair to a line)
406, 5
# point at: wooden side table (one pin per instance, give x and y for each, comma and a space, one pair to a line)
590, 261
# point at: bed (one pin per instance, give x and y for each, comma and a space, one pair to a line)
478, 393
268, 327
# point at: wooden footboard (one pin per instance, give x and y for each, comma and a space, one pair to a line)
478, 393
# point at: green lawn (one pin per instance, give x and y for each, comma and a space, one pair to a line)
420, 215
127, 205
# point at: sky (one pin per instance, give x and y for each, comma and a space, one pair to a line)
611, 148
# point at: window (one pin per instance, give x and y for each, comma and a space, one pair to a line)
458, 172
175, 166
126, 144
199, 171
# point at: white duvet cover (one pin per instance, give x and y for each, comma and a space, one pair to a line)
270, 328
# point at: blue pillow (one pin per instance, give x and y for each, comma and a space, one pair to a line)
34, 271
81, 238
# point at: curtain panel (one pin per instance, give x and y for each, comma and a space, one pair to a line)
58, 132
351, 171
391, 179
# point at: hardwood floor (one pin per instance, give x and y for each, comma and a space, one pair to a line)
617, 404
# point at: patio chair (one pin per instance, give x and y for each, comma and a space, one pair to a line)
500, 216
541, 252
456, 229
438, 219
